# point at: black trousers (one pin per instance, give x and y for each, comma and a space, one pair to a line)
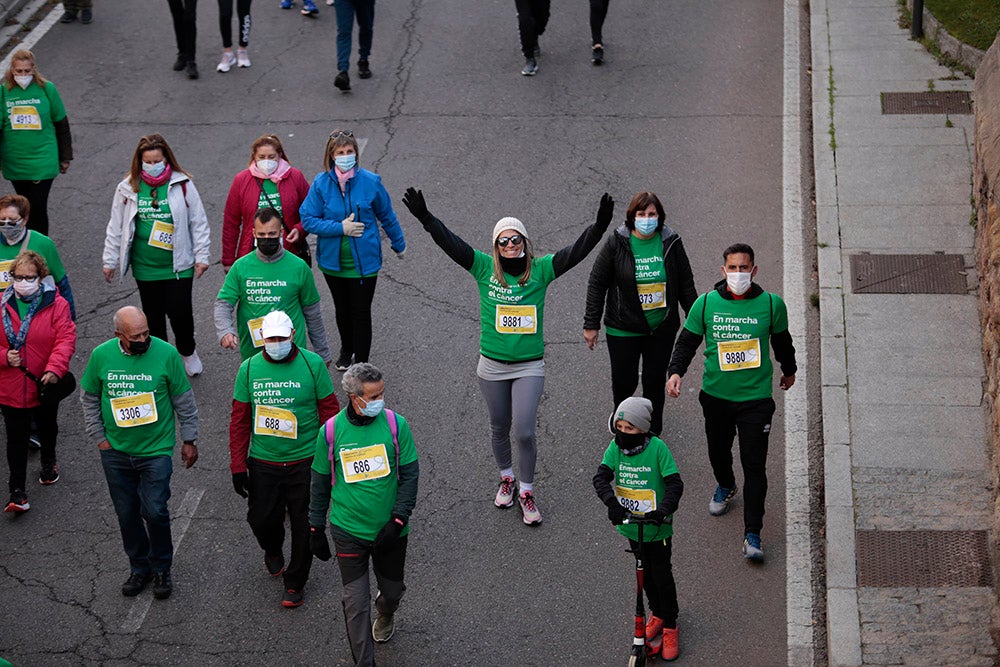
752, 420
37, 193
658, 580
17, 422
352, 301
654, 352
184, 13
275, 489
598, 11
169, 298
532, 17
226, 22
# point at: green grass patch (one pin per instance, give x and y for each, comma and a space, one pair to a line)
975, 22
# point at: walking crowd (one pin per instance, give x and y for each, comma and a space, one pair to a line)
350, 471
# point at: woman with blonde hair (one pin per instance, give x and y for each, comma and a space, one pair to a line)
344, 209
159, 228
512, 283
269, 181
35, 142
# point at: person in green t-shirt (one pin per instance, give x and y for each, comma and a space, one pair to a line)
643, 273
133, 387
512, 283
268, 279
366, 464
741, 324
281, 397
35, 141
638, 475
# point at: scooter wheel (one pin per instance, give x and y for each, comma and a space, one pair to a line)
637, 660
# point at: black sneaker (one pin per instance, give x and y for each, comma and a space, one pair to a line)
192, 69
292, 598
163, 585
135, 584
18, 502
180, 63
275, 564
530, 67
342, 81
364, 72
344, 361
597, 55
68, 16
48, 474
86, 16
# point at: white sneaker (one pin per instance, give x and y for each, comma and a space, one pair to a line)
227, 62
505, 494
242, 59
529, 509
330, 2
192, 364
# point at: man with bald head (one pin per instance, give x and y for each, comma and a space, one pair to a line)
132, 388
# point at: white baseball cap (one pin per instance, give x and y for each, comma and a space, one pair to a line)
276, 324
509, 223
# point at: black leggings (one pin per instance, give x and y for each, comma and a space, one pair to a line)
226, 22
184, 13
352, 300
625, 353
532, 17
18, 425
658, 580
598, 10
169, 298
37, 193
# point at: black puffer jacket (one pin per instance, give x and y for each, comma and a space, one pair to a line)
613, 278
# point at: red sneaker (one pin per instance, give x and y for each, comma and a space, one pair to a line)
670, 649
654, 635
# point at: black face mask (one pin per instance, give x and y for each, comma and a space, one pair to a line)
629, 440
138, 346
268, 246
514, 266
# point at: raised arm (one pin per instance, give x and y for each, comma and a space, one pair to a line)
460, 252
572, 255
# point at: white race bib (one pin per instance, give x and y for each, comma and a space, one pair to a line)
638, 501
134, 410
278, 422
256, 331
162, 235
5, 278
736, 355
653, 296
25, 118
516, 320
364, 463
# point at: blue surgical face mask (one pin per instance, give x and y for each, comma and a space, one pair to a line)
345, 162
279, 350
154, 169
646, 226
373, 407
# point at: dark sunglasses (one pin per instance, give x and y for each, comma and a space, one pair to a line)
513, 240
336, 134
6, 222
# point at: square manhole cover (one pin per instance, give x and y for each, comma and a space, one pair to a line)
945, 101
908, 274
923, 558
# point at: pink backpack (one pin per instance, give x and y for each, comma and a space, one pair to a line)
329, 430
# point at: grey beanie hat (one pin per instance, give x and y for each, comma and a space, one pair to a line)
636, 411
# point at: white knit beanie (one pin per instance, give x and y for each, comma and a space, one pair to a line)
509, 223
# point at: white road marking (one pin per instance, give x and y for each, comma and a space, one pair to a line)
36, 33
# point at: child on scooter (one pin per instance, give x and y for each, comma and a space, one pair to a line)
638, 475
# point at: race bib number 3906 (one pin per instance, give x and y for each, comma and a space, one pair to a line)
134, 410
516, 320
364, 463
736, 355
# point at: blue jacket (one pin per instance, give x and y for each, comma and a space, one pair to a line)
325, 207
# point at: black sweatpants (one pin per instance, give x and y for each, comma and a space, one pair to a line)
226, 22
275, 489
18, 425
658, 580
37, 193
625, 353
532, 17
752, 420
598, 11
169, 298
184, 13
352, 301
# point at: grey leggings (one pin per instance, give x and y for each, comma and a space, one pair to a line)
514, 401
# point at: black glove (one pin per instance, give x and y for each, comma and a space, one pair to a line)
390, 532
414, 200
605, 212
616, 513
318, 544
658, 517
240, 482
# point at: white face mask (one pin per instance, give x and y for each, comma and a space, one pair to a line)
267, 166
26, 288
738, 283
154, 169
24, 81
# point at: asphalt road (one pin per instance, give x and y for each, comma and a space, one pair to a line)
687, 105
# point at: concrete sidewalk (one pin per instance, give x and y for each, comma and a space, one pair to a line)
902, 374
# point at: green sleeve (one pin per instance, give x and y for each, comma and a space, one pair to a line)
407, 448
230, 290
308, 294
666, 460
241, 391
47, 249
57, 110
177, 379
90, 381
321, 459
695, 322
545, 266
779, 321
611, 457
482, 266
324, 385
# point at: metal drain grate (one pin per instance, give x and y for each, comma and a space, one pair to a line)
922, 558
948, 101
908, 274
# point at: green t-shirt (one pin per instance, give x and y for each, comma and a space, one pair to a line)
362, 500
269, 197
29, 151
153, 243
639, 486
136, 392
348, 267
511, 318
651, 282
257, 287
34, 241
737, 343
283, 401
22, 307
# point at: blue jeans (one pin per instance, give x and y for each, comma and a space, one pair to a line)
140, 489
346, 11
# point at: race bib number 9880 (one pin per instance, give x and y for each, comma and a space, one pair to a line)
736, 355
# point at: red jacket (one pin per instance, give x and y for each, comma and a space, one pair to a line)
241, 205
49, 346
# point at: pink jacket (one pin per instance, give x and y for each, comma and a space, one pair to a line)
49, 347
241, 205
